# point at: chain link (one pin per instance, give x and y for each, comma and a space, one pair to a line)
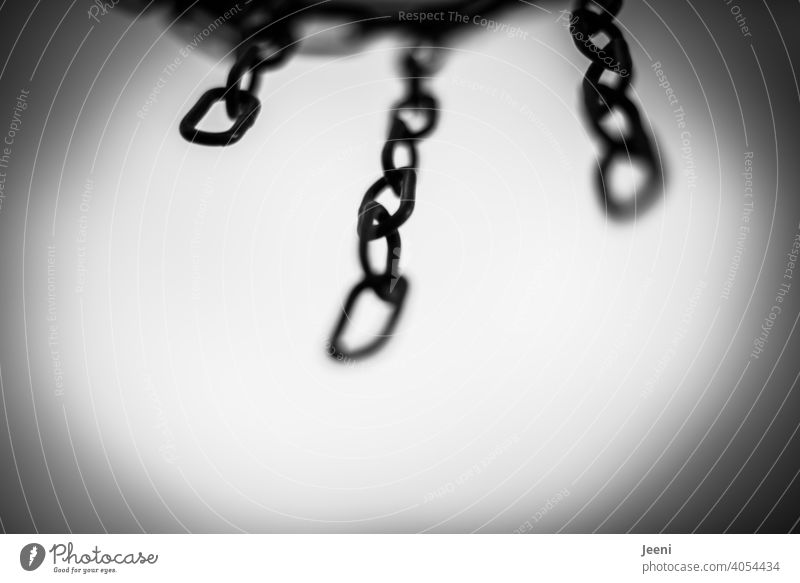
592, 18
262, 49
374, 220
415, 116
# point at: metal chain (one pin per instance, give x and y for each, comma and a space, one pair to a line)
375, 221
261, 50
589, 19
268, 47
242, 105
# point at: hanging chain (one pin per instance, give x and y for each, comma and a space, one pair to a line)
262, 50
254, 58
374, 220
268, 47
589, 19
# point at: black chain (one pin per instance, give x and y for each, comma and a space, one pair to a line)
589, 19
262, 50
375, 221
241, 104
268, 47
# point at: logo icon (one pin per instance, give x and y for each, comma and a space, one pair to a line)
31, 556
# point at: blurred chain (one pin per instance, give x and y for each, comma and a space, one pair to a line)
412, 118
590, 19
268, 46
262, 50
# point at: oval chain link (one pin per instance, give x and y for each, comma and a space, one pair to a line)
589, 19
375, 221
268, 47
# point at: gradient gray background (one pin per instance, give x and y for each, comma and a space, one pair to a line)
554, 371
